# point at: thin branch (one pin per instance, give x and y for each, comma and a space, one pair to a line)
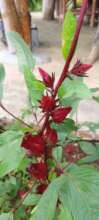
42, 118
13, 116
88, 140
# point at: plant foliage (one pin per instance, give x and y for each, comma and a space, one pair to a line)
45, 170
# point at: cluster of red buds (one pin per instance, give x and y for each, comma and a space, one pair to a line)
37, 145
41, 144
34, 144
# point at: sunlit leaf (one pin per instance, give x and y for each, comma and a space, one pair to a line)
69, 28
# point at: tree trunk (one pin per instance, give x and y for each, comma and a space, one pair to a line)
24, 17
94, 55
10, 19
48, 9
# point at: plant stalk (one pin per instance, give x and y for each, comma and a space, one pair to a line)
71, 53
73, 46
13, 116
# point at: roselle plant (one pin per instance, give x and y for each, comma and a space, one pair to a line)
46, 170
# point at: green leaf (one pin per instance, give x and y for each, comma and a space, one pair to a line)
46, 207
31, 200
11, 152
96, 99
88, 148
6, 216
36, 91
72, 101
69, 28
57, 153
21, 214
94, 89
80, 193
76, 86
35, 87
2, 76
65, 214
65, 128
88, 159
24, 55
26, 63
2, 72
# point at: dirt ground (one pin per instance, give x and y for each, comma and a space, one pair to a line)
49, 57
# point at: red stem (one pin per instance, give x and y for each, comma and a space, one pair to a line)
71, 53
73, 46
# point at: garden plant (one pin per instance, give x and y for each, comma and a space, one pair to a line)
47, 171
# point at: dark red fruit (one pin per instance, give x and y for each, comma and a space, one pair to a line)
60, 114
80, 69
70, 149
47, 104
47, 79
34, 144
41, 188
21, 193
51, 136
38, 170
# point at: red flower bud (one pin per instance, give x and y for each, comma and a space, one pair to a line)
41, 188
47, 103
47, 79
21, 193
38, 170
70, 149
34, 143
60, 114
51, 136
80, 69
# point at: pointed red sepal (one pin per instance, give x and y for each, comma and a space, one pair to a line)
47, 79
80, 69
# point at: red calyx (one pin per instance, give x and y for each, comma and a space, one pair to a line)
60, 114
69, 149
80, 69
47, 103
21, 193
34, 144
51, 136
47, 79
38, 170
41, 188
